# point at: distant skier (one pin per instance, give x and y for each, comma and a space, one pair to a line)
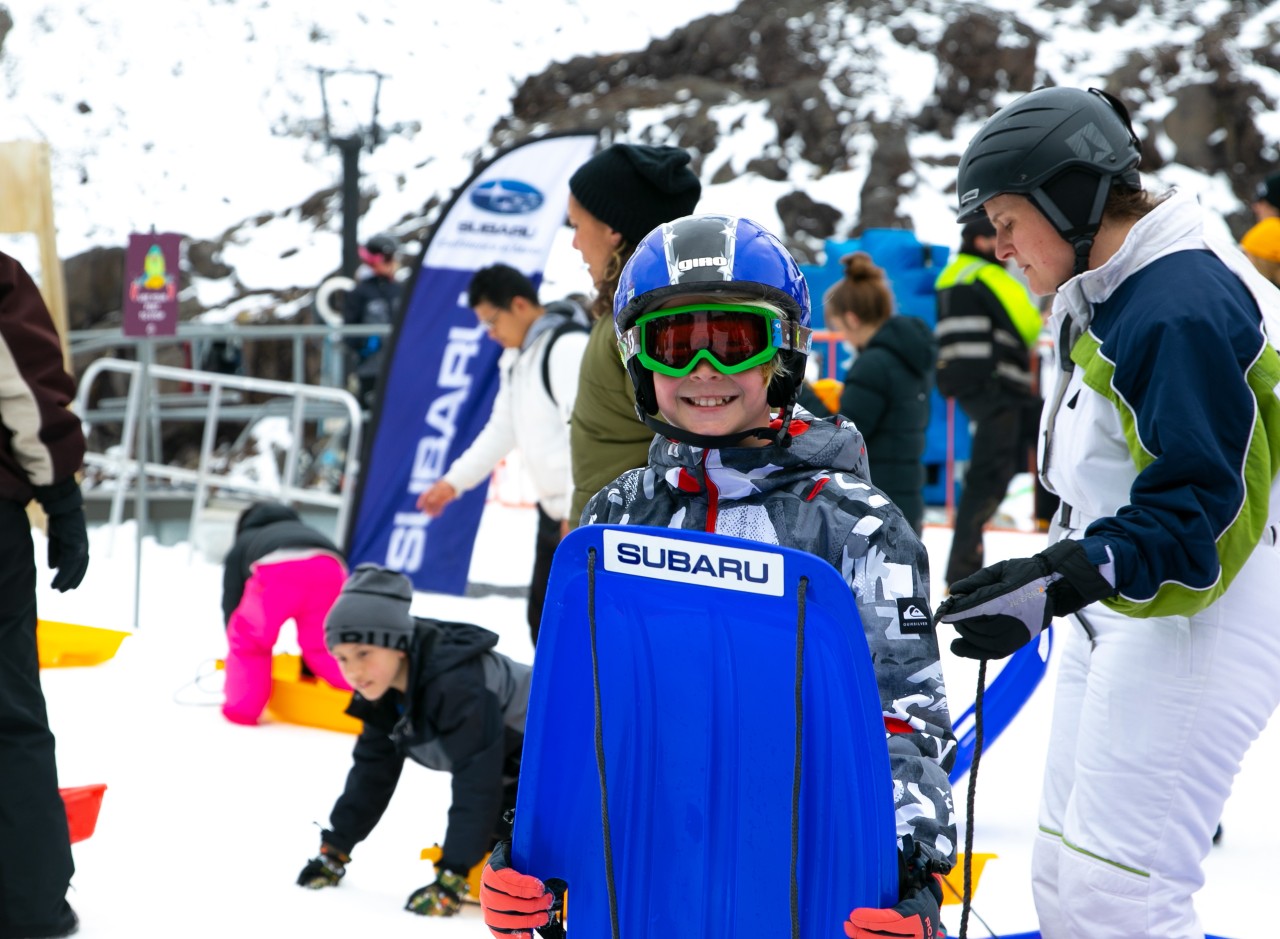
279, 568
372, 302
1161, 438
433, 692
1261, 243
713, 350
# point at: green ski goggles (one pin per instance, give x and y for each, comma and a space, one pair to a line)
732, 337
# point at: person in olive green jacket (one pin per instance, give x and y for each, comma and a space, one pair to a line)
616, 198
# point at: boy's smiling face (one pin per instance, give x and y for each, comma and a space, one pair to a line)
372, 670
706, 401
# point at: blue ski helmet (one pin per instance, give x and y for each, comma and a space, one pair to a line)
712, 254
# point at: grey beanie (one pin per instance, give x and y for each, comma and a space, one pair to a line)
373, 609
634, 188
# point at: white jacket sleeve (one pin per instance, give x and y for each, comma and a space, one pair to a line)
564, 366
494, 442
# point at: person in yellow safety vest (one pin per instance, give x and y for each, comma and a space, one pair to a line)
988, 325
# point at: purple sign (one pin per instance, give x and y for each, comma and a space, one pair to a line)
151, 284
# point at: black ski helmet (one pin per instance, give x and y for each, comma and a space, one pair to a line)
1062, 148
385, 245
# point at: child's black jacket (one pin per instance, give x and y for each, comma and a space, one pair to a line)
463, 713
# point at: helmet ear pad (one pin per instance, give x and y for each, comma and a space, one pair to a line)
642, 382
782, 390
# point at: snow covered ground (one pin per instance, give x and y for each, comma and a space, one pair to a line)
206, 824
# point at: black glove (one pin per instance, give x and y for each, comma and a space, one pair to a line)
325, 869
442, 898
915, 916
68, 540
1001, 608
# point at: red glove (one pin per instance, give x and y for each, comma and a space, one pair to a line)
514, 904
915, 917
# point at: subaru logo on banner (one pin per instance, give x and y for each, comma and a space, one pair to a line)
507, 197
440, 374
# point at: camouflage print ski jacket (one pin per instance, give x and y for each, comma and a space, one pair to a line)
814, 496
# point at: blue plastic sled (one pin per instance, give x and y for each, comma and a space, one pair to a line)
1002, 700
696, 640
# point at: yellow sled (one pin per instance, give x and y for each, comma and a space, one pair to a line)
953, 882
301, 699
65, 645
473, 876
298, 699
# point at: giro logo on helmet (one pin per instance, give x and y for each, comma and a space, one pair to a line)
688, 264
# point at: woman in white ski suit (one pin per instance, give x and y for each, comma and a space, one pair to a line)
1162, 438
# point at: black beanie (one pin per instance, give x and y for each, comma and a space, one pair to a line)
372, 609
634, 188
1268, 190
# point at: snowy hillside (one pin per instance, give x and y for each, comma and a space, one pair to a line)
207, 118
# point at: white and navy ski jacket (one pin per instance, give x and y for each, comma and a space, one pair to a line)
526, 416
1162, 435
816, 496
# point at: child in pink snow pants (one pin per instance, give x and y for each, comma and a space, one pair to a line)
278, 569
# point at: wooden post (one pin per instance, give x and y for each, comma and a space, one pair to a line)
27, 208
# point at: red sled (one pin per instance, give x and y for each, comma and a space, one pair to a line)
83, 803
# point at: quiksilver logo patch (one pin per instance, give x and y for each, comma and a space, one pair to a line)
913, 616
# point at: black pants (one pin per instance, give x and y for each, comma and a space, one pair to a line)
35, 847
999, 452
548, 541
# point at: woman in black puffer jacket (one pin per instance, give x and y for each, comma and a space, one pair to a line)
886, 390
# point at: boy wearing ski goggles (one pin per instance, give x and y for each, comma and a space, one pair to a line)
732, 337
736, 341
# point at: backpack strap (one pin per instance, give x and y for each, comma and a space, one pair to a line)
567, 326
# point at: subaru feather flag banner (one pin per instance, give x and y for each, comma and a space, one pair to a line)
440, 377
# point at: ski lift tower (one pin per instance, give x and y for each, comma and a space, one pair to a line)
343, 94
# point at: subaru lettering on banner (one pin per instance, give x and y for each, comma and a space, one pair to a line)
707, 565
441, 376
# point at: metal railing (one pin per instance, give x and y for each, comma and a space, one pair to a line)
142, 408
198, 337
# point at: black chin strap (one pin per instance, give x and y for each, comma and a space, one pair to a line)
1083, 245
781, 436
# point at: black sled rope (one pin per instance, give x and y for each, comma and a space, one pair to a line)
604, 787
967, 901
795, 778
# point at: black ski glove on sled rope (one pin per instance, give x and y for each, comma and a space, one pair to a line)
515, 904
1001, 608
325, 869
916, 914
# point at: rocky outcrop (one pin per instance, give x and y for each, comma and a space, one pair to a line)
823, 77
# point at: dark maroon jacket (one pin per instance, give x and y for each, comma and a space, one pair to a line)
40, 440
